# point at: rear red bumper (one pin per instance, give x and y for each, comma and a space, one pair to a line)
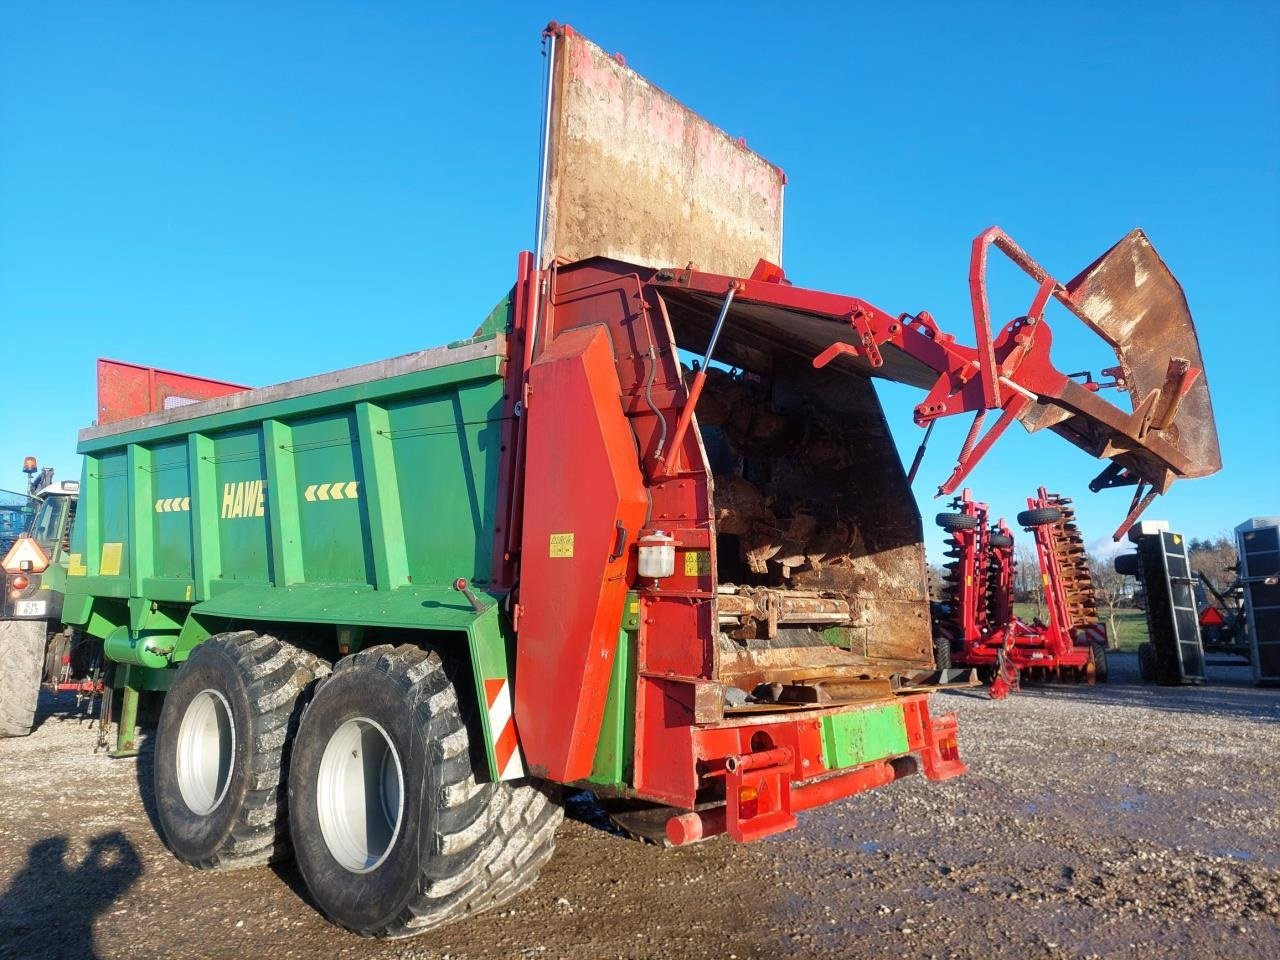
774, 768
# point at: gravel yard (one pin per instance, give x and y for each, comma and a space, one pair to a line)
1114, 821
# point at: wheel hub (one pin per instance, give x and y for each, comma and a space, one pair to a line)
206, 748
360, 795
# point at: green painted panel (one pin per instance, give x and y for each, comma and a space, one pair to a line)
427, 608
206, 558
141, 537
382, 498
169, 509
170, 591
614, 749
240, 501
850, 739
331, 500
111, 558
446, 448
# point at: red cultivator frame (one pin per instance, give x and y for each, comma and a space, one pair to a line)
1073, 643
976, 624
971, 629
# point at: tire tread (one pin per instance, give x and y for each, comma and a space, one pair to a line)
491, 839
277, 675
21, 667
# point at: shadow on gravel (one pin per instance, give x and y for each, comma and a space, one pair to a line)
49, 909
58, 704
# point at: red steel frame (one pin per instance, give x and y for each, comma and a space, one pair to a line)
684, 747
989, 636
982, 568
1065, 641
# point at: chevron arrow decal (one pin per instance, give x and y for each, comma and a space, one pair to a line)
173, 505
333, 490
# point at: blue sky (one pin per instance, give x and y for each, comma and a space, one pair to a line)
256, 192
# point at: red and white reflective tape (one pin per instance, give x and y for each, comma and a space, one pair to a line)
502, 729
1095, 633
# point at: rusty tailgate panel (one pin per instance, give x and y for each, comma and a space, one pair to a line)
636, 176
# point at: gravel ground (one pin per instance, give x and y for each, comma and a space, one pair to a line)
1112, 821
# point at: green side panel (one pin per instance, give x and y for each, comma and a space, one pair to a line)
850, 739
331, 505
424, 608
97, 617
108, 555
206, 557
240, 505
498, 321
284, 527
614, 748
169, 511
381, 492
446, 450
616, 745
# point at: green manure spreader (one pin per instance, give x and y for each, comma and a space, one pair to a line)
395, 609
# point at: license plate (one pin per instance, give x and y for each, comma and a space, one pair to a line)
29, 608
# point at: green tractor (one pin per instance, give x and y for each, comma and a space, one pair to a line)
35, 648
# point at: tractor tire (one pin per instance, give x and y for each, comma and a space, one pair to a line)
1000, 540
956, 521
1128, 565
942, 648
1039, 516
56, 650
223, 748
22, 644
392, 832
1098, 654
1147, 662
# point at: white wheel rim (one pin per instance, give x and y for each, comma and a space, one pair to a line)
360, 795
206, 749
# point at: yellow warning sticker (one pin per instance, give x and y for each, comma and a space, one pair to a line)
109, 563
561, 545
1044, 578
75, 566
697, 563
1177, 539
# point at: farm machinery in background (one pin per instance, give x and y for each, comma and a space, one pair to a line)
1184, 624
975, 625
35, 649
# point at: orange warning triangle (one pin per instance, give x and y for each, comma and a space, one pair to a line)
25, 549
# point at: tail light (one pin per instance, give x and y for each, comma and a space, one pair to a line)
19, 583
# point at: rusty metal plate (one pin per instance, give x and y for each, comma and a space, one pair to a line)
1132, 300
637, 176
